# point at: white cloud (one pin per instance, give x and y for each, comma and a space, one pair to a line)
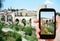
48, 2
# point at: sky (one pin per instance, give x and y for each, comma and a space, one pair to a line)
47, 14
30, 4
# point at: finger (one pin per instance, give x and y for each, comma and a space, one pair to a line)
37, 35
56, 18
41, 39
57, 21
36, 21
37, 31
49, 40
37, 28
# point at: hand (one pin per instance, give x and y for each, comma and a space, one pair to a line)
38, 30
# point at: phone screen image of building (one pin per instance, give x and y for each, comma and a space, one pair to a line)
47, 23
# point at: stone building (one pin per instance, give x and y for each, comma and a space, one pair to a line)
10, 16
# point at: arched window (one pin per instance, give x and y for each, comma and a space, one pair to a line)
46, 21
50, 20
3, 18
26, 14
9, 18
17, 20
20, 13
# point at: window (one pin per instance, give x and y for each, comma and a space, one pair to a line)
17, 20
26, 14
15, 14
52, 20
46, 21
49, 20
9, 18
3, 18
21, 14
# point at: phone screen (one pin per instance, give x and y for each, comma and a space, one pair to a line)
47, 23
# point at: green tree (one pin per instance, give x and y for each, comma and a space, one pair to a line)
1, 39
18, 37
0, 4
28, 31
58, 13
2, 24
14, 36
13, 10
46, 21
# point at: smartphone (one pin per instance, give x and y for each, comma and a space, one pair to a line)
47, 23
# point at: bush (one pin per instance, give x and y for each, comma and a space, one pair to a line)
18, 37
31, 38
15, 26
14, 36
50, 30
58, 13
1, 39
18, 27
10, 34
51, 24
28, 31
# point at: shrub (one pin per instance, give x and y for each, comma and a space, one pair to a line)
1, 39
50, 30
18, 27
27, 30
14, 36
18, 37
10, 33
31, 38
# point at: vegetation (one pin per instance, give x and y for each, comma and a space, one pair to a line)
18, 37
14, 36
0, 4
31, 38
46, 21
30, 22
1, 39
51, 24
48, 31
58, 13
28, 31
